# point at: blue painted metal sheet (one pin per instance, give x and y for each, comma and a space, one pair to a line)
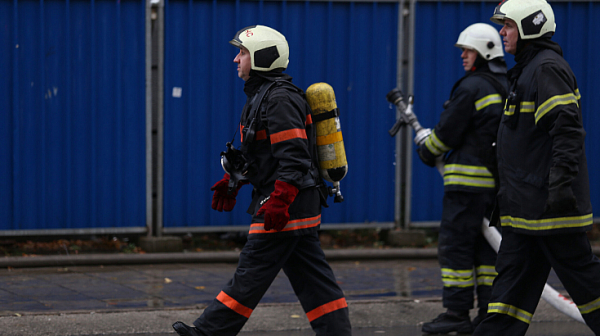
350, 45
438, 66
72, 120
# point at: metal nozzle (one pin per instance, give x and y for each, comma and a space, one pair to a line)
394, 96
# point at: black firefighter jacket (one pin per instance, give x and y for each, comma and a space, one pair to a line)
283, 149
467, 130
542, 128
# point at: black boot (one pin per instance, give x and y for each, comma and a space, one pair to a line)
185, 330
448, 322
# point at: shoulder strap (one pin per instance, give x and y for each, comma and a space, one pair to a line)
279, 83
258, 99
249, 131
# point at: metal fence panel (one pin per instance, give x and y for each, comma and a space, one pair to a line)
350, 45
438, 67
72, 102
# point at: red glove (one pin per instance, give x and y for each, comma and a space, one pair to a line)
221, 199
276, 208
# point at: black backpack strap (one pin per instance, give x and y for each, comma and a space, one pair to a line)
251, 121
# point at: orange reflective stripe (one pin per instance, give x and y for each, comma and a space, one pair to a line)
287, 135
234, 305
308, 120
326, 309
261, 135
297, 224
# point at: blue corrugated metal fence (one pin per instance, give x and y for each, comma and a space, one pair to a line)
351, 46
72, 102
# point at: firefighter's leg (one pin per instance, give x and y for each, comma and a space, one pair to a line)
579, 271
314, 283
522, 272
260, 262
460, 231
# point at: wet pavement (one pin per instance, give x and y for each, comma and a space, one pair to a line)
385, 297
109, 288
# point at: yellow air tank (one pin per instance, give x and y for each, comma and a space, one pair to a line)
330, 144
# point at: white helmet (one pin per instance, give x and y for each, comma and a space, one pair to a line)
534, 18
483, 38
268, 48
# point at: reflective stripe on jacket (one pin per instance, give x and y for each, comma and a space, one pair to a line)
467, 132
541, 128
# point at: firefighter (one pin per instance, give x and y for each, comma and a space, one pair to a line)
278, 154
466, 135
544, 197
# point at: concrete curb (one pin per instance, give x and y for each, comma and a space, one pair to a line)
201, 257
209, 257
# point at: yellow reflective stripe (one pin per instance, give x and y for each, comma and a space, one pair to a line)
486, 269
527, 107
457, 273
548, 223
435, 145
488, 100
589, 307
485, 280
483, 182
473, 176
551, 103
485, 275
577, 94
457, 278
454, 168
501, 308
510, 110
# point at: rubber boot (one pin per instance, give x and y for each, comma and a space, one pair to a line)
448, 322
185, 330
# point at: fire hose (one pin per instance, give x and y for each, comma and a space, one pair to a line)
491, 234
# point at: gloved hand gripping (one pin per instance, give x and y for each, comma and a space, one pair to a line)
222, 198
276, 208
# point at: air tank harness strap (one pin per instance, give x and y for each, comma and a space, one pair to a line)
326, 115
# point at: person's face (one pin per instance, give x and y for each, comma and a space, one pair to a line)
468, 56
244, 63
510, 36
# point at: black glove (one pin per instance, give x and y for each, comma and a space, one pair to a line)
426, 156
560, 195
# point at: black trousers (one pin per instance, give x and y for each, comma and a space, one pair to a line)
466, 259
523, 265
261, 259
